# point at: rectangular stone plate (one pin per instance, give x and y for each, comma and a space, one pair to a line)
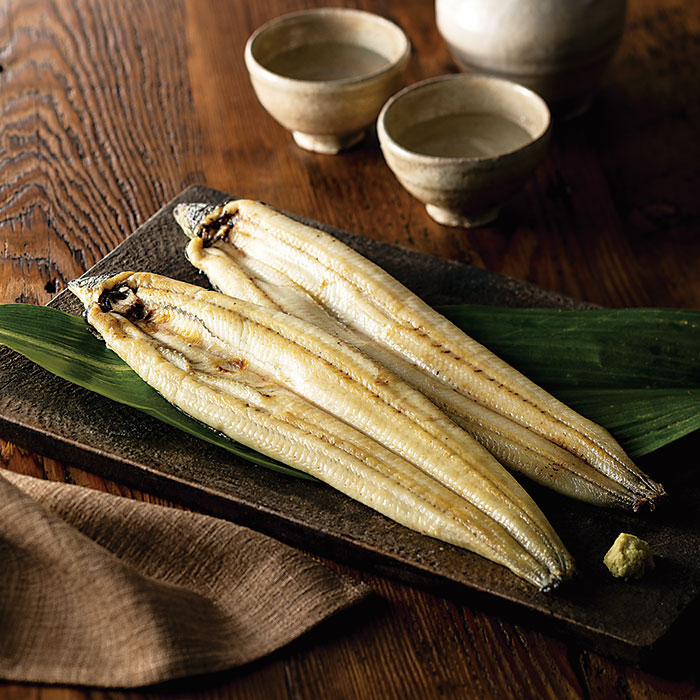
627, 620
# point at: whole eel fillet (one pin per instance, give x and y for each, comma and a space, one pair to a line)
250, 251
303, 396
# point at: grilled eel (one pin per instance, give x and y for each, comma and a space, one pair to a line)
250, 251
298, 394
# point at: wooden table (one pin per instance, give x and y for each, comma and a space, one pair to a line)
111, 107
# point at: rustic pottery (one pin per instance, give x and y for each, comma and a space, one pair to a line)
324, 74
559, 48
463, 144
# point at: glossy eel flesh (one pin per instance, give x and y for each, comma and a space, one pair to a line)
253, 252
298, 394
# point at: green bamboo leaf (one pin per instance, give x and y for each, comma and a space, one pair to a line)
616, 348
62, 344
643, 420
634, 371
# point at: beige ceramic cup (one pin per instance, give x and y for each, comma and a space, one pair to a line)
324, 74
463, 144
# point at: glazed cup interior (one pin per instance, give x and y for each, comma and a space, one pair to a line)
465, 117
330, 44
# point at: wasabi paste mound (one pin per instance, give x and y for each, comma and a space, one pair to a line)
629, 557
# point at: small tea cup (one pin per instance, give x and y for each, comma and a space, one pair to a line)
463, 144
324, 74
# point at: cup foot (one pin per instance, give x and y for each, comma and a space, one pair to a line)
327, 144
447, 217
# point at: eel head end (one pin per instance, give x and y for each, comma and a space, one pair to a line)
88, 289
190, 216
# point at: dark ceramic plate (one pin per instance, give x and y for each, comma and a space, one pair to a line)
51, 416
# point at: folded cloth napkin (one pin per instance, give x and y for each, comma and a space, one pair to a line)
101, 590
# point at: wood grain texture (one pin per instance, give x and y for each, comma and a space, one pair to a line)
97, 131
108, 108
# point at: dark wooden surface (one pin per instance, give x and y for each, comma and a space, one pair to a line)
108, 108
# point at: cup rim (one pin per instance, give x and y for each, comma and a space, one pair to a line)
254, 65
385, 138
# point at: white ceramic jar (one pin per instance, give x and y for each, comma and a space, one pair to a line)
559, 48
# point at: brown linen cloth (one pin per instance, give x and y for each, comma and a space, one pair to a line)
101, 590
